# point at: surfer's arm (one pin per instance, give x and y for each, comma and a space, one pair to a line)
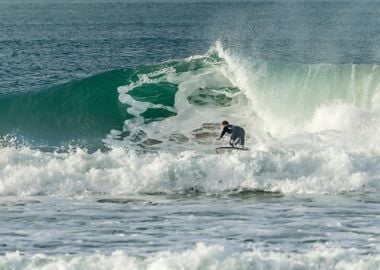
223, 132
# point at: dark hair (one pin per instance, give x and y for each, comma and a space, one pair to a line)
225, 123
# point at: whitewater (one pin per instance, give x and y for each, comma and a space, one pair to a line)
118, 170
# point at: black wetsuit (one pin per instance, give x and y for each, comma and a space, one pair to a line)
237, 135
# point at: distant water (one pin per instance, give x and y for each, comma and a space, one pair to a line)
109, 112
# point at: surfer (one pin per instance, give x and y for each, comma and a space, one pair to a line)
237, 134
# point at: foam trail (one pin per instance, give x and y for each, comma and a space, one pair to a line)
205, 96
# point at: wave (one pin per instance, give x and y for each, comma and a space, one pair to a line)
310, 129
202, 257
178, 104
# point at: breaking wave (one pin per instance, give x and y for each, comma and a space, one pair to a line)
311, 129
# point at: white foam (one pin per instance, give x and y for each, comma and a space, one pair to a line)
297, 165
201, 257
358, 128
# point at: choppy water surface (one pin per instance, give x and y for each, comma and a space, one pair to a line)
339, 229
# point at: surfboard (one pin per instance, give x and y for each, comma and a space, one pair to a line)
223, 150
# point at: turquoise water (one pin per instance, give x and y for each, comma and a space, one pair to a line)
109, 111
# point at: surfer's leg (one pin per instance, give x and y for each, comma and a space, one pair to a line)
235, 142
239, 137
234, 137
232, 142
242, 138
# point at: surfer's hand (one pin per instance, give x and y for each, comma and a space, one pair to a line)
218, 139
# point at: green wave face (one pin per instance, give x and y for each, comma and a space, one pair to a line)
83, 110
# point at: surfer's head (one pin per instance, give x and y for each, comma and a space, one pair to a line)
224, 123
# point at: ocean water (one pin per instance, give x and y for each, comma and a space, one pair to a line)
109, 112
